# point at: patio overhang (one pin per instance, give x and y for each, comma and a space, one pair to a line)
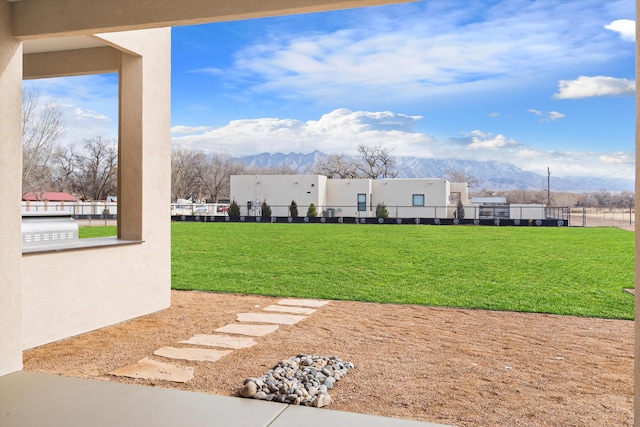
56, 18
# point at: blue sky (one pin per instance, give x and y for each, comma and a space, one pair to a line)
537, 83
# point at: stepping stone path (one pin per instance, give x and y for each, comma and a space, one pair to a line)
280, 319
202, 354
251, 330
289, 309
224, 341
154, 370
233, 336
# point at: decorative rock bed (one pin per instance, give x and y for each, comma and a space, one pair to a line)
300, 380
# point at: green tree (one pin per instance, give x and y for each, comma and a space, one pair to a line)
293, 209
459, 210
381, 211
266, 210
312, 212
234, 210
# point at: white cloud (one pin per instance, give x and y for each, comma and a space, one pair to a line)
425, 53
487, 140
209, 70
626, 28
189, 129
547, 117
82, 114
342, 130
84, 124
89, 105
617, 158
585, 87
339, 131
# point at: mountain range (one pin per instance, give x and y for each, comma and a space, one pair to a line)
490, 175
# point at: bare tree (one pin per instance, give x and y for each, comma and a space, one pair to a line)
606, 198
526, 196
377, 162
42, 129
194, 175
336, 166
374, 162
458, 175
63, 178
185, 170
215, 176
94, 173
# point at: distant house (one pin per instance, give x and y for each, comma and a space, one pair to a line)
407, 197
49, 196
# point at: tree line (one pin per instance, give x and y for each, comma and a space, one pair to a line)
198, 176
559, 198
49, 165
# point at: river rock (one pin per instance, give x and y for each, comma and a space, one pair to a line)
249, 390
300, 380
322, 400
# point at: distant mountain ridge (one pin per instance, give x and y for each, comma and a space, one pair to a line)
491, 175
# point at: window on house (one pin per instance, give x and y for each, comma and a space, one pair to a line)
362, 202
418, 200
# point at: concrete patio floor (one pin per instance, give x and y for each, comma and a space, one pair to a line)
30, 399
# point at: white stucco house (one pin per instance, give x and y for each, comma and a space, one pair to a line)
410, 197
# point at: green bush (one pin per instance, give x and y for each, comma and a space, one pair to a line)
293, 209
381, 211
312, 212
234, 210
266, 210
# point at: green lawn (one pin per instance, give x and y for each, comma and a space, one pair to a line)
100, 231
574, 271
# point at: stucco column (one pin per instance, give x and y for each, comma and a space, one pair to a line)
10, 195
144, 162
636, 376
130, 148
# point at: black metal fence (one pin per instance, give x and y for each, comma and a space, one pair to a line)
529, 216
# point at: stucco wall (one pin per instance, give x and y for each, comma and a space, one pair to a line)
10, 192
68, 293
520, 211
342, 195
278, 191
58, 300
397, 195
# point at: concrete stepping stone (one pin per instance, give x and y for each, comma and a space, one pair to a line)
152, 370
251, 330
280, 319
290, 309
198, 354
224, 341
303, 302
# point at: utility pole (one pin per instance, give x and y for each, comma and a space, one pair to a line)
548, 186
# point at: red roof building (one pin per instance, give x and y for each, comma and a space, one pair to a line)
50, 196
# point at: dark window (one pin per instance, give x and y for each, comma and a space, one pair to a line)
362, 202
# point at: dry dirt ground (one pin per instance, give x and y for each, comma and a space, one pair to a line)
451, 366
